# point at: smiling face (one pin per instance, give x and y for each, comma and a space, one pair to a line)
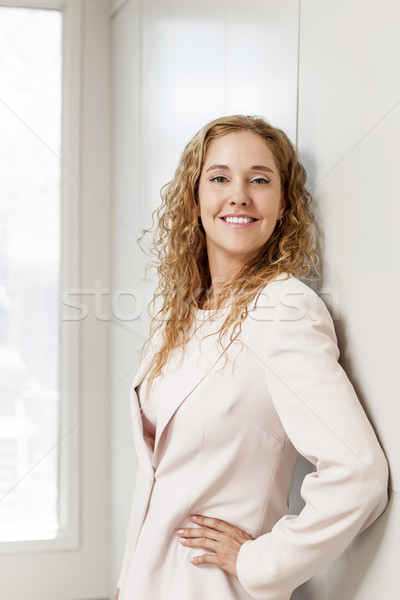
240, 199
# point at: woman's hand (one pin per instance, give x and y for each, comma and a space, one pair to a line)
217, 535
117, 594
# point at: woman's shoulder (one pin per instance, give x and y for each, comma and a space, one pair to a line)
287, 298
285, 285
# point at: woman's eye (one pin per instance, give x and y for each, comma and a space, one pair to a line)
219, 178
260, 180
223, 179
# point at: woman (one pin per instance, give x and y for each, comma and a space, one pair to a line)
241, 376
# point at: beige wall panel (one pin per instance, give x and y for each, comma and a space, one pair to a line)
349, 123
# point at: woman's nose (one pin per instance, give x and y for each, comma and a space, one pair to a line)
239, 194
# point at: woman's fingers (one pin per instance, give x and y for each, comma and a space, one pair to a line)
214, 559
199, 542
203, 537
221, 526
223, 538
212, 523
204, 533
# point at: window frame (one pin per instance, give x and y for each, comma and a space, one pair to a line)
69, 474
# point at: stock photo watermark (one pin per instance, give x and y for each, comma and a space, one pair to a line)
129, 304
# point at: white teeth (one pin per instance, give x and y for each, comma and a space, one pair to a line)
238, 220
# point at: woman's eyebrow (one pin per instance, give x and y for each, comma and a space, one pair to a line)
262, 168
254, 168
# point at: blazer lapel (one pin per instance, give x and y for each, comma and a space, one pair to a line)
187, 384
168, 406
143, 450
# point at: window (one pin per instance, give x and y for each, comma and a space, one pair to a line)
30, 242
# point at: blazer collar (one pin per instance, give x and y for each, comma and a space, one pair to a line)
187, 384
168, 408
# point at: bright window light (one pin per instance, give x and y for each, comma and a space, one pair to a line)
30, 147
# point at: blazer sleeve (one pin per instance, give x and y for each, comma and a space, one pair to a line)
325, 422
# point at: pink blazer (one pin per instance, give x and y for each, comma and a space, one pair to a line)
227, 442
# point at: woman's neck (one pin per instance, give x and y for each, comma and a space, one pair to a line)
213, 298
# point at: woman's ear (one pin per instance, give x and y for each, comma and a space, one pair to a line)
284, 203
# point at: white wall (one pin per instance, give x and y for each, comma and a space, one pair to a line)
178, 64
349, 125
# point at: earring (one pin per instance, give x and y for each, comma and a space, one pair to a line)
280, 221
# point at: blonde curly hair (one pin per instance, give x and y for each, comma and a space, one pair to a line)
179, 243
